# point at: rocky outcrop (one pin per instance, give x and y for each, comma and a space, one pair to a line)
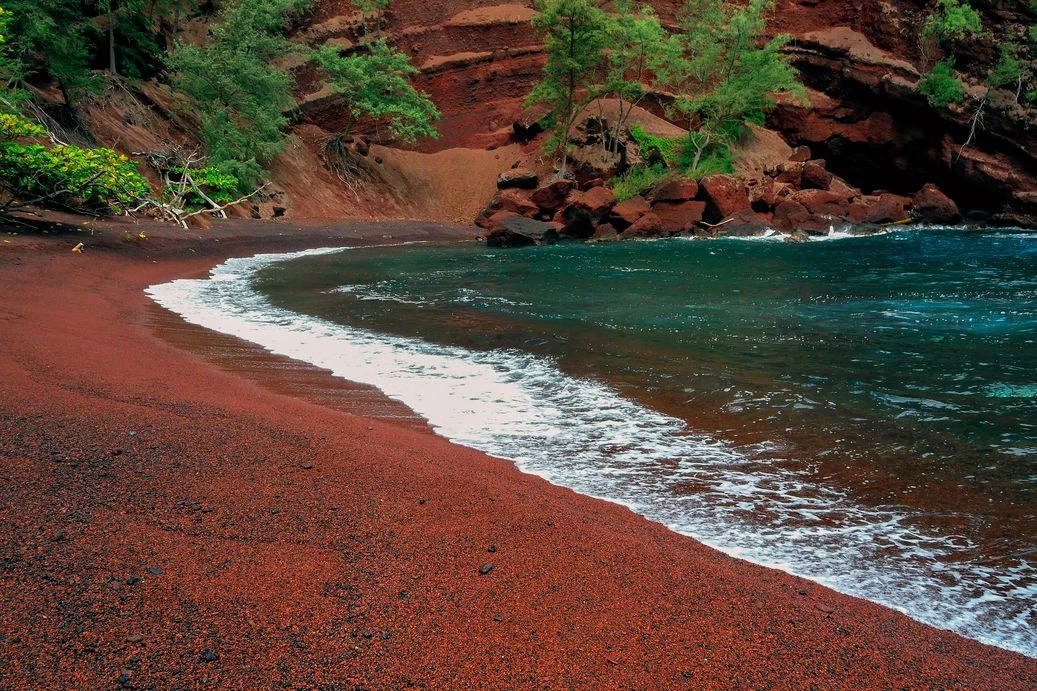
507, 229
798, 198
867, 119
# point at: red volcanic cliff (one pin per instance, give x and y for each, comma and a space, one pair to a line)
861, 62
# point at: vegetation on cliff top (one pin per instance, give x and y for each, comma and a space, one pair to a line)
719, 66
234, 86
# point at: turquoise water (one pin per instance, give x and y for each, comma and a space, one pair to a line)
860, 411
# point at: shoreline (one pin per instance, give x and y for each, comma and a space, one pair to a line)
365, 567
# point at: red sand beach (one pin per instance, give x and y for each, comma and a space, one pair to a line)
166, 523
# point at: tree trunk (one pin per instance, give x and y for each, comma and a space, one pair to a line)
111, 40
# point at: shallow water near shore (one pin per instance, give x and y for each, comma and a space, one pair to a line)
862, 412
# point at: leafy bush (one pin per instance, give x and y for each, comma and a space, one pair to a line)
376, 83
941, 86
94, 180
215, 184
953, 19
1009, 69
694, 155
655, 148
637, 180
240, 96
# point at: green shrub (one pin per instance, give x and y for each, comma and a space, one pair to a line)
637, 180
953, 19
93, 180
1009, 69
214, 183
941, 86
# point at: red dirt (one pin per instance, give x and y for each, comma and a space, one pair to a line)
123, 458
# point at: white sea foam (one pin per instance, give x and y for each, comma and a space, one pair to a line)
583, 435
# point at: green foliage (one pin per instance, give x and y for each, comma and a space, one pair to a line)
952, 19
95, 180
637, 180
239, 95
694, 155
1009, 69
376, 84
15, 127
941, 86
52, 37
369, 9
215, 184
575, 34
725, 74
1032, 35
11, 70
706, 157
634, 52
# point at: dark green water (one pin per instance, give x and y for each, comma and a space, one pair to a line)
897, 372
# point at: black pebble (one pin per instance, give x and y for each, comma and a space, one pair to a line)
307, 466
368, 634
155, 571
497, 617
485, 569
209, 655
491, 549
132, 580
404, 595
421, 501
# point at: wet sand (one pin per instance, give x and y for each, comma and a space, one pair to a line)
167, 520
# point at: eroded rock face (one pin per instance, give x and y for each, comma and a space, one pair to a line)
675, 190
679, 216
869, 122
507, 200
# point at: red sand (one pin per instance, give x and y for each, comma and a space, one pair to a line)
159, 529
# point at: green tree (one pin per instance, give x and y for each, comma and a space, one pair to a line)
11, 71
132, 34
375, 83
371, 10
575, 35
240, 96
53, 38
635, 51
725, 74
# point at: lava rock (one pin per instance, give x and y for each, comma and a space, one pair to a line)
512, 230
554, 195
674, 190
930, 205
725, 195
648, 226
522, 178
627, 213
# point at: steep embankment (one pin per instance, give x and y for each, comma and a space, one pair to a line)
479, 58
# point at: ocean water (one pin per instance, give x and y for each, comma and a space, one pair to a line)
861, 412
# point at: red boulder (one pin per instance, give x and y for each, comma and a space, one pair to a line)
725, 195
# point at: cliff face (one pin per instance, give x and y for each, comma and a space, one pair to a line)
860, 60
